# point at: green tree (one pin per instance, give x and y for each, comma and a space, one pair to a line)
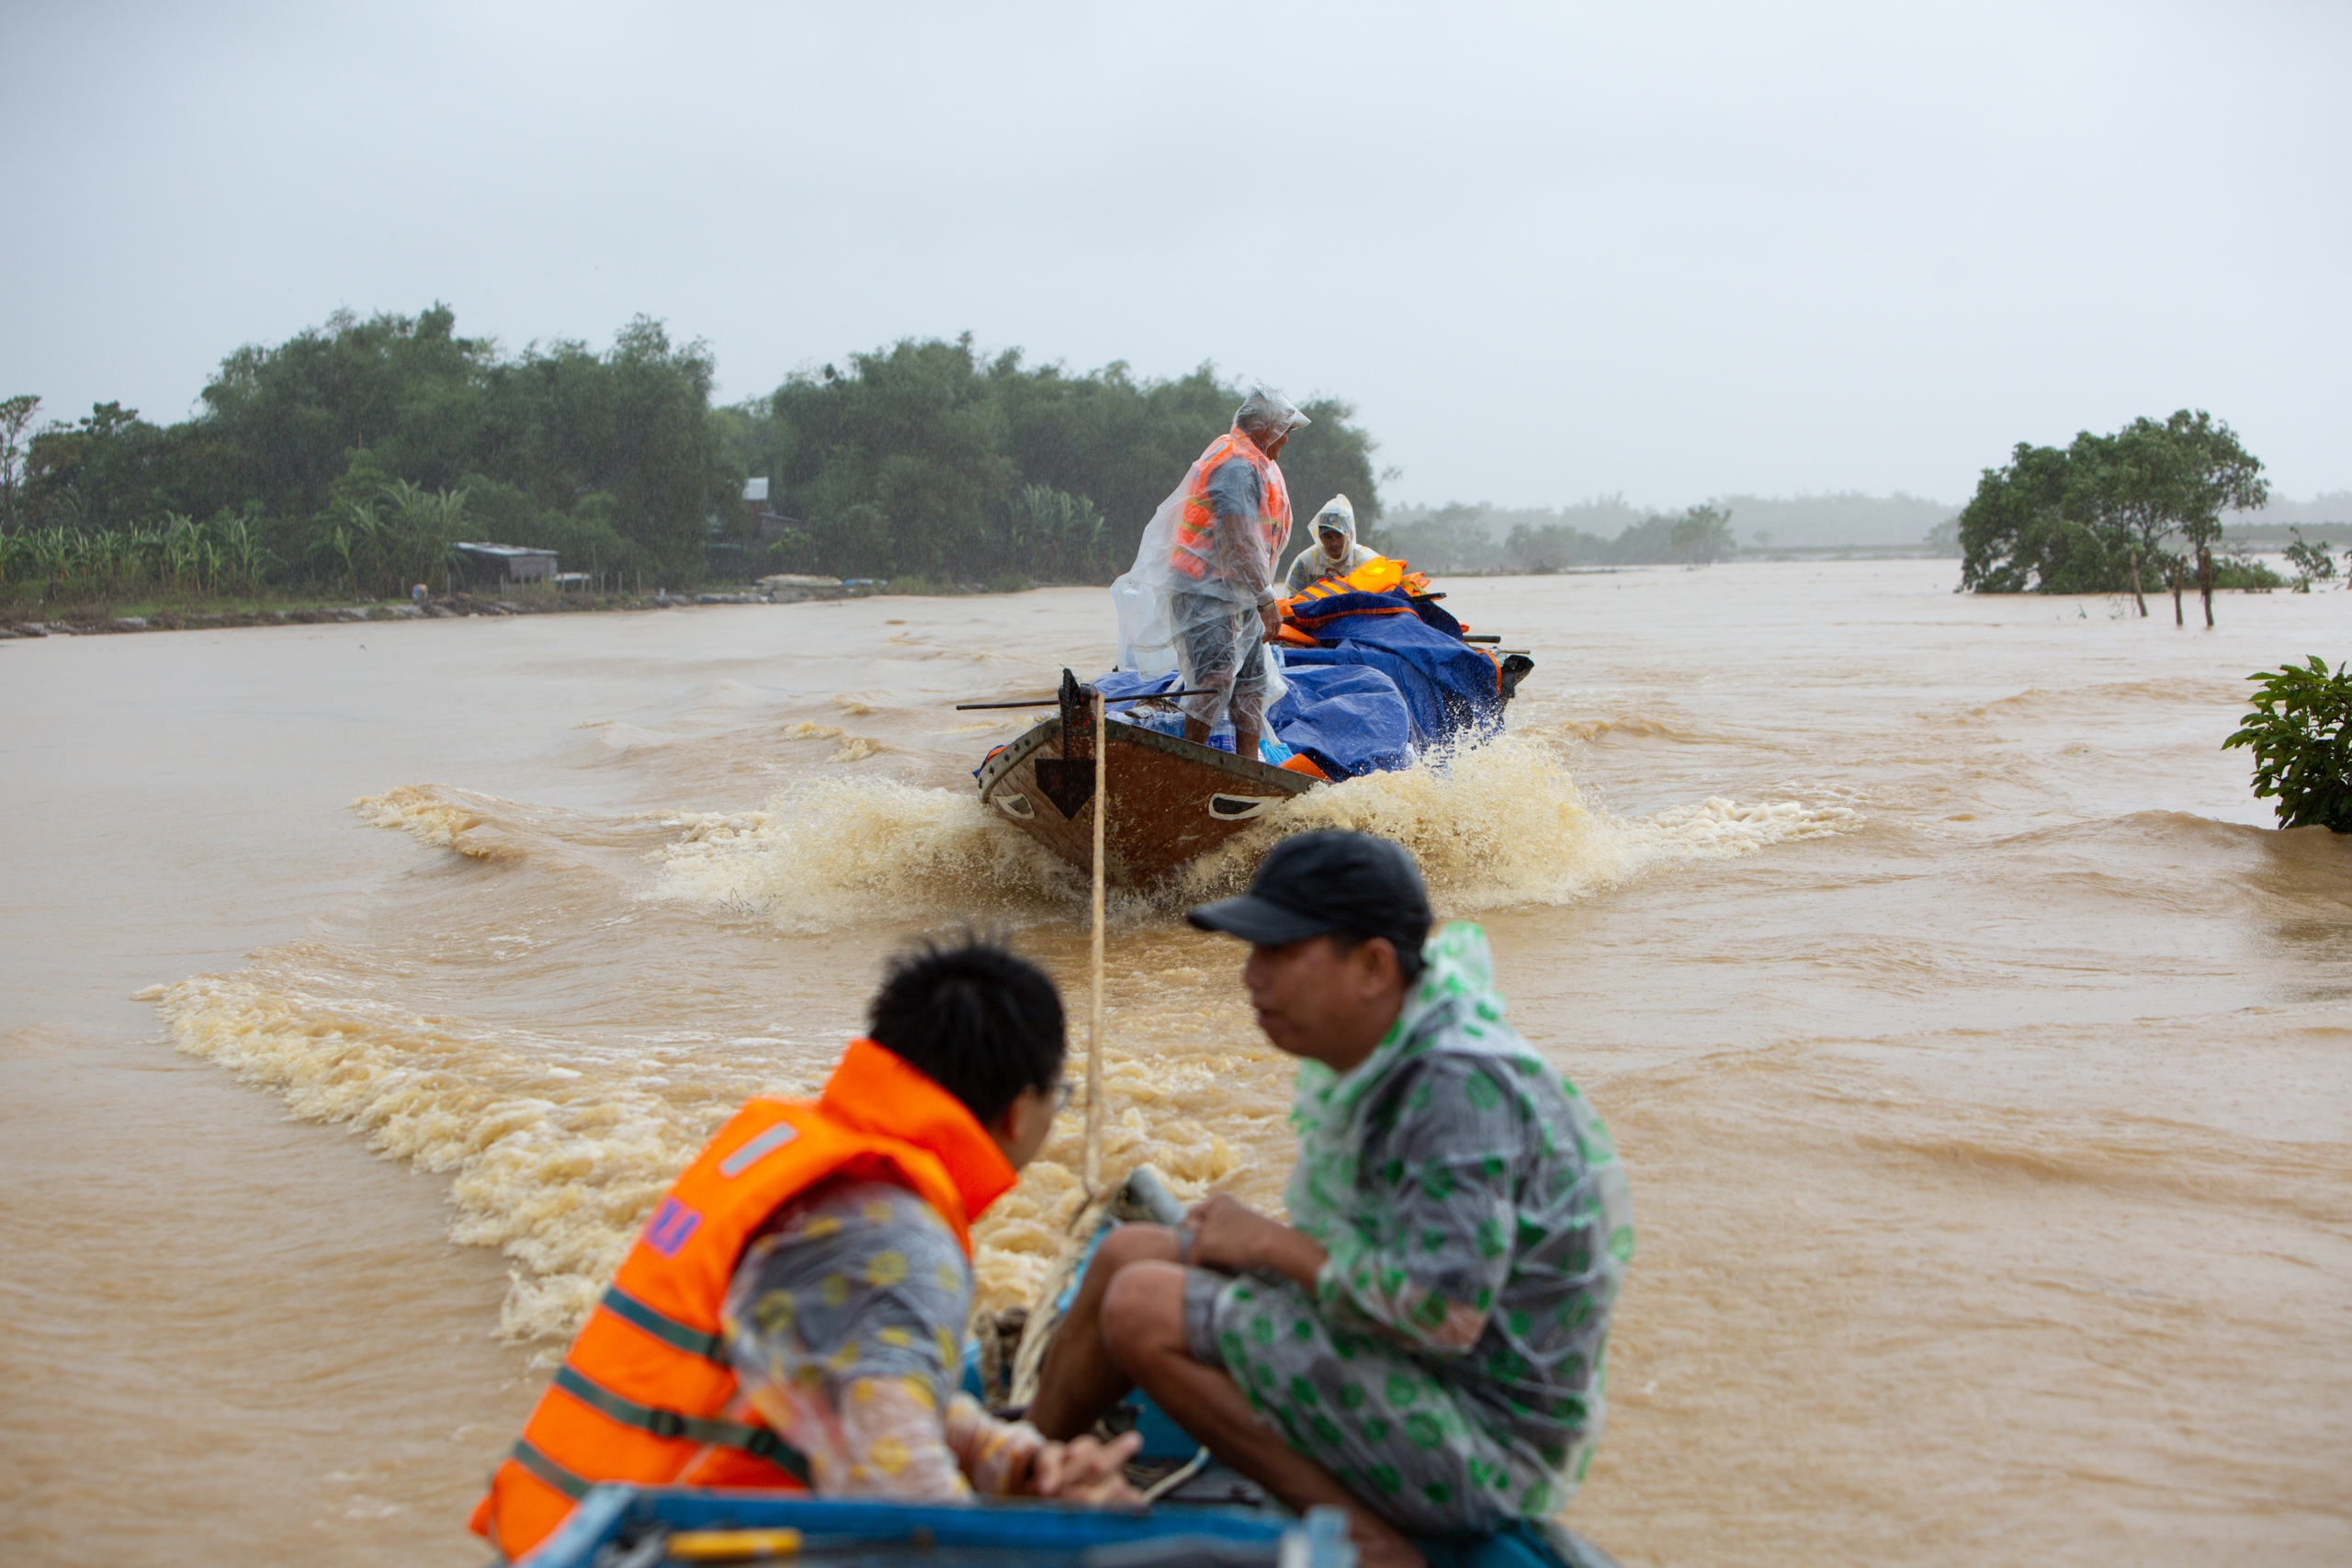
919, 460
352, 541
2095, 518
1331, 457
2210, 473
899, 465
2301, 733
1702, 534
419, 526
2120, 483
2312, 562
1050, 533
16, 415
104, 470
344, 453
1552, 546
279, 425
1452, 538
2031, 529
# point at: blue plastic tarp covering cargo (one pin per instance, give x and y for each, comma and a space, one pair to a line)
1349, 718
1385, 685
1449, 687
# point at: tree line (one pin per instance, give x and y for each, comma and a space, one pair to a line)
929, 459
1461, 538
351, 455
354, 453
2131, 513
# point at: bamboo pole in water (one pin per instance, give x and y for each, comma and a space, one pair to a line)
1093, 1174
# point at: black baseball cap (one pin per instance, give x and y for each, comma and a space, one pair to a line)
1329, 880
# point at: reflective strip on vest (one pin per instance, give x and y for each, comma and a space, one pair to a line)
647, 1393
662, 1326
572, 1486
668, 1425
758, 1149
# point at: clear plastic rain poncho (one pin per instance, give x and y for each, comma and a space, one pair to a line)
845, 1322
1190, 605
1315, 562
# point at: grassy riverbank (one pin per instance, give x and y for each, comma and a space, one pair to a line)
86, 618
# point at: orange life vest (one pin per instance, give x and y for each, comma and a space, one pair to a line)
1195, 549
643, 1394
1379, 575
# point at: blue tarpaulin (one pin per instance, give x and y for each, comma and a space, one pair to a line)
1121, 684
1385, 684
1348, 717
1449, 687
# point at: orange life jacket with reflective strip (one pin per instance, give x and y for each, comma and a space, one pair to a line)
644, 1393
1195, 549
1378, 575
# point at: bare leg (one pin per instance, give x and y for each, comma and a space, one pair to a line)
1245, 742
1197, 731
1142, 1315
1078, 1383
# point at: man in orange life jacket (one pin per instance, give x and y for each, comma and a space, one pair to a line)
792, 1314
1230, 531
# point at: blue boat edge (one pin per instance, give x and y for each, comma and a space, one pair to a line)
1056, 1531
611, 1511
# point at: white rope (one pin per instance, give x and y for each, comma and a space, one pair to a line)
1093, 1174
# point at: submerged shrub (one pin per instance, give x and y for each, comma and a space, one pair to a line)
2301, 730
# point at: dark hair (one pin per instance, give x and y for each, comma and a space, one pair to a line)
1408, 953
981, 1024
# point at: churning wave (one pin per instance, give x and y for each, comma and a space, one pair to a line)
1499, 825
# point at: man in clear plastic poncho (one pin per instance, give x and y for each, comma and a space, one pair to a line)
1332, 550
1421, 1344
1200, 599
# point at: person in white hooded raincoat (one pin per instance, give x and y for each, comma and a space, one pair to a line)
1200, 599
1332, 550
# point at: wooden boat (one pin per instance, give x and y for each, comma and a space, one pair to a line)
1172, 800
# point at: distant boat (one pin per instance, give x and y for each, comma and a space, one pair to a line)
1174, 800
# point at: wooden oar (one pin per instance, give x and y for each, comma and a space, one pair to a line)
1056, 699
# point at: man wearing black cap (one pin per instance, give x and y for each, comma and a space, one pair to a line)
1421, 1344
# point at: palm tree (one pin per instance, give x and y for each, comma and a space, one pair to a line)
422, 524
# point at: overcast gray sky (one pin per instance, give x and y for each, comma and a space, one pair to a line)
1550, 251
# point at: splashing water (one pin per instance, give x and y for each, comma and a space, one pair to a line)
557, 1149
845, 851
1494, 825
435, 818
554, 1155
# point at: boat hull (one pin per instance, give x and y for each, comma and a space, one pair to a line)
1172, 800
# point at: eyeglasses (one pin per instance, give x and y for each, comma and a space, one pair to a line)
1063, 1088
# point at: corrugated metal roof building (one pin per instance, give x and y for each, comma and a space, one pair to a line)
488, 564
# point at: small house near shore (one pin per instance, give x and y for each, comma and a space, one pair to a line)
492, 566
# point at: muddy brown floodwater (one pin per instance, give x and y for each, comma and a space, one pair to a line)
1982, 1061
